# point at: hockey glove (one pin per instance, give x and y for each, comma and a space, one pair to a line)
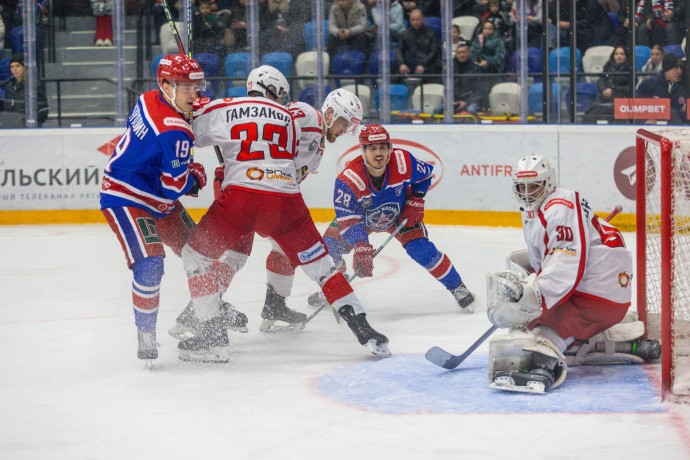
218, 176
199, 175
413, 210
200, 102
363, 260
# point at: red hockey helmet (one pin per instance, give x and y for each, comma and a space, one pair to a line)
374, 134
181, 69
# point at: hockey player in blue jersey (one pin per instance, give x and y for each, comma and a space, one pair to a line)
376, 192
149, 170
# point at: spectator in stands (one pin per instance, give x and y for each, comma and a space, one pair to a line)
669, 84
159, 18
651, 18
418, 52
621, 32
489, 50
15, 93
103, 10
534, 24
281, 27
347, 22
395, 21
653, 64
455, 38
8, 9
594, 26
470, 88
615, 80
493, 14
238, 23
408, 7
208, 29
676, 27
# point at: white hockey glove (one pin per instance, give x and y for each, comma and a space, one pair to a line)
512, 299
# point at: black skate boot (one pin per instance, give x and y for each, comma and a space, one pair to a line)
464, 298
537, 380
649, 350
366, 335
187, 325
210, 345
276, 310
148, 347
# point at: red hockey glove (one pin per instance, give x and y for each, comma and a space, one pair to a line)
200, 102
363, 260
218, 176
413, 210
197, 171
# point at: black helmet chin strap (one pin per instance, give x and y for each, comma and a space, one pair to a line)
272, 93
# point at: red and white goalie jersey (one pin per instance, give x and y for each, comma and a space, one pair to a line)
311, 144
258, 138
573, 251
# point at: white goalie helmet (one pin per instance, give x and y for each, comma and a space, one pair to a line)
345, 105
533, 180
263, 78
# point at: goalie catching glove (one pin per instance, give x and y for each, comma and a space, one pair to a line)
513, 300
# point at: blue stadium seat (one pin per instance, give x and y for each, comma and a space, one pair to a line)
674, 49
534, 61
535, 98
309, 35
374, 64
434, 24
348, 63
236, 91
280, 60
614, 19
563, 54
154, 64
308, 95
17, 39
210, 63
5, 73
642, 54
237, 65
399, 97
586, 93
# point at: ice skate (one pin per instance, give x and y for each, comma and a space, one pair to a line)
464, 298
366, 335
187, 326
210, 345
277, 316
537, 380
148, 347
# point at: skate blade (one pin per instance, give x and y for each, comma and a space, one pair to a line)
218, 355
149, 364
240, 329
506, 385
378, 349
270, 326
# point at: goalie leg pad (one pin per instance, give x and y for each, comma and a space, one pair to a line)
613, 346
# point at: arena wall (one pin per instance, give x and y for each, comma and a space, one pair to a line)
54, 175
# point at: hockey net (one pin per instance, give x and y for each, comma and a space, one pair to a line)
663, 251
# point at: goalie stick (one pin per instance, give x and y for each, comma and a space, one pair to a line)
442, 358
354, 275
180, 47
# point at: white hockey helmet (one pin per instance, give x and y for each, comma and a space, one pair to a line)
533, 179
345, 105
269, 81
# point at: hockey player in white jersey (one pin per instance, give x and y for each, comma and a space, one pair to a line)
568, 292
340, 114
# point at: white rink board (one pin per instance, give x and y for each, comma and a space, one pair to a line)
472, 164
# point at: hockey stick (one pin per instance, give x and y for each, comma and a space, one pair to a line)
180, 47
446, 360
354, 275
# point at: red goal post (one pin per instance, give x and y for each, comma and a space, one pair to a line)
663, 251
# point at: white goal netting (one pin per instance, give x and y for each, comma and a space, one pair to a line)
667, 250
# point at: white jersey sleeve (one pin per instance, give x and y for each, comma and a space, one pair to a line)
575, 252
311, 143
259, 140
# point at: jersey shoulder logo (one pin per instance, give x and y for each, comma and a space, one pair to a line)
355, 179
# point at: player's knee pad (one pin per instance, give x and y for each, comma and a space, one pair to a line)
148, 271
235, 260
423, 251
514, 352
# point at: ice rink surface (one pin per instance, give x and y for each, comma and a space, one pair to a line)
71, 386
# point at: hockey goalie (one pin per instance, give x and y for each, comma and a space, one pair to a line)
565, 299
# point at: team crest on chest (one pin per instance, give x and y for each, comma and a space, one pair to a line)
382, 217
